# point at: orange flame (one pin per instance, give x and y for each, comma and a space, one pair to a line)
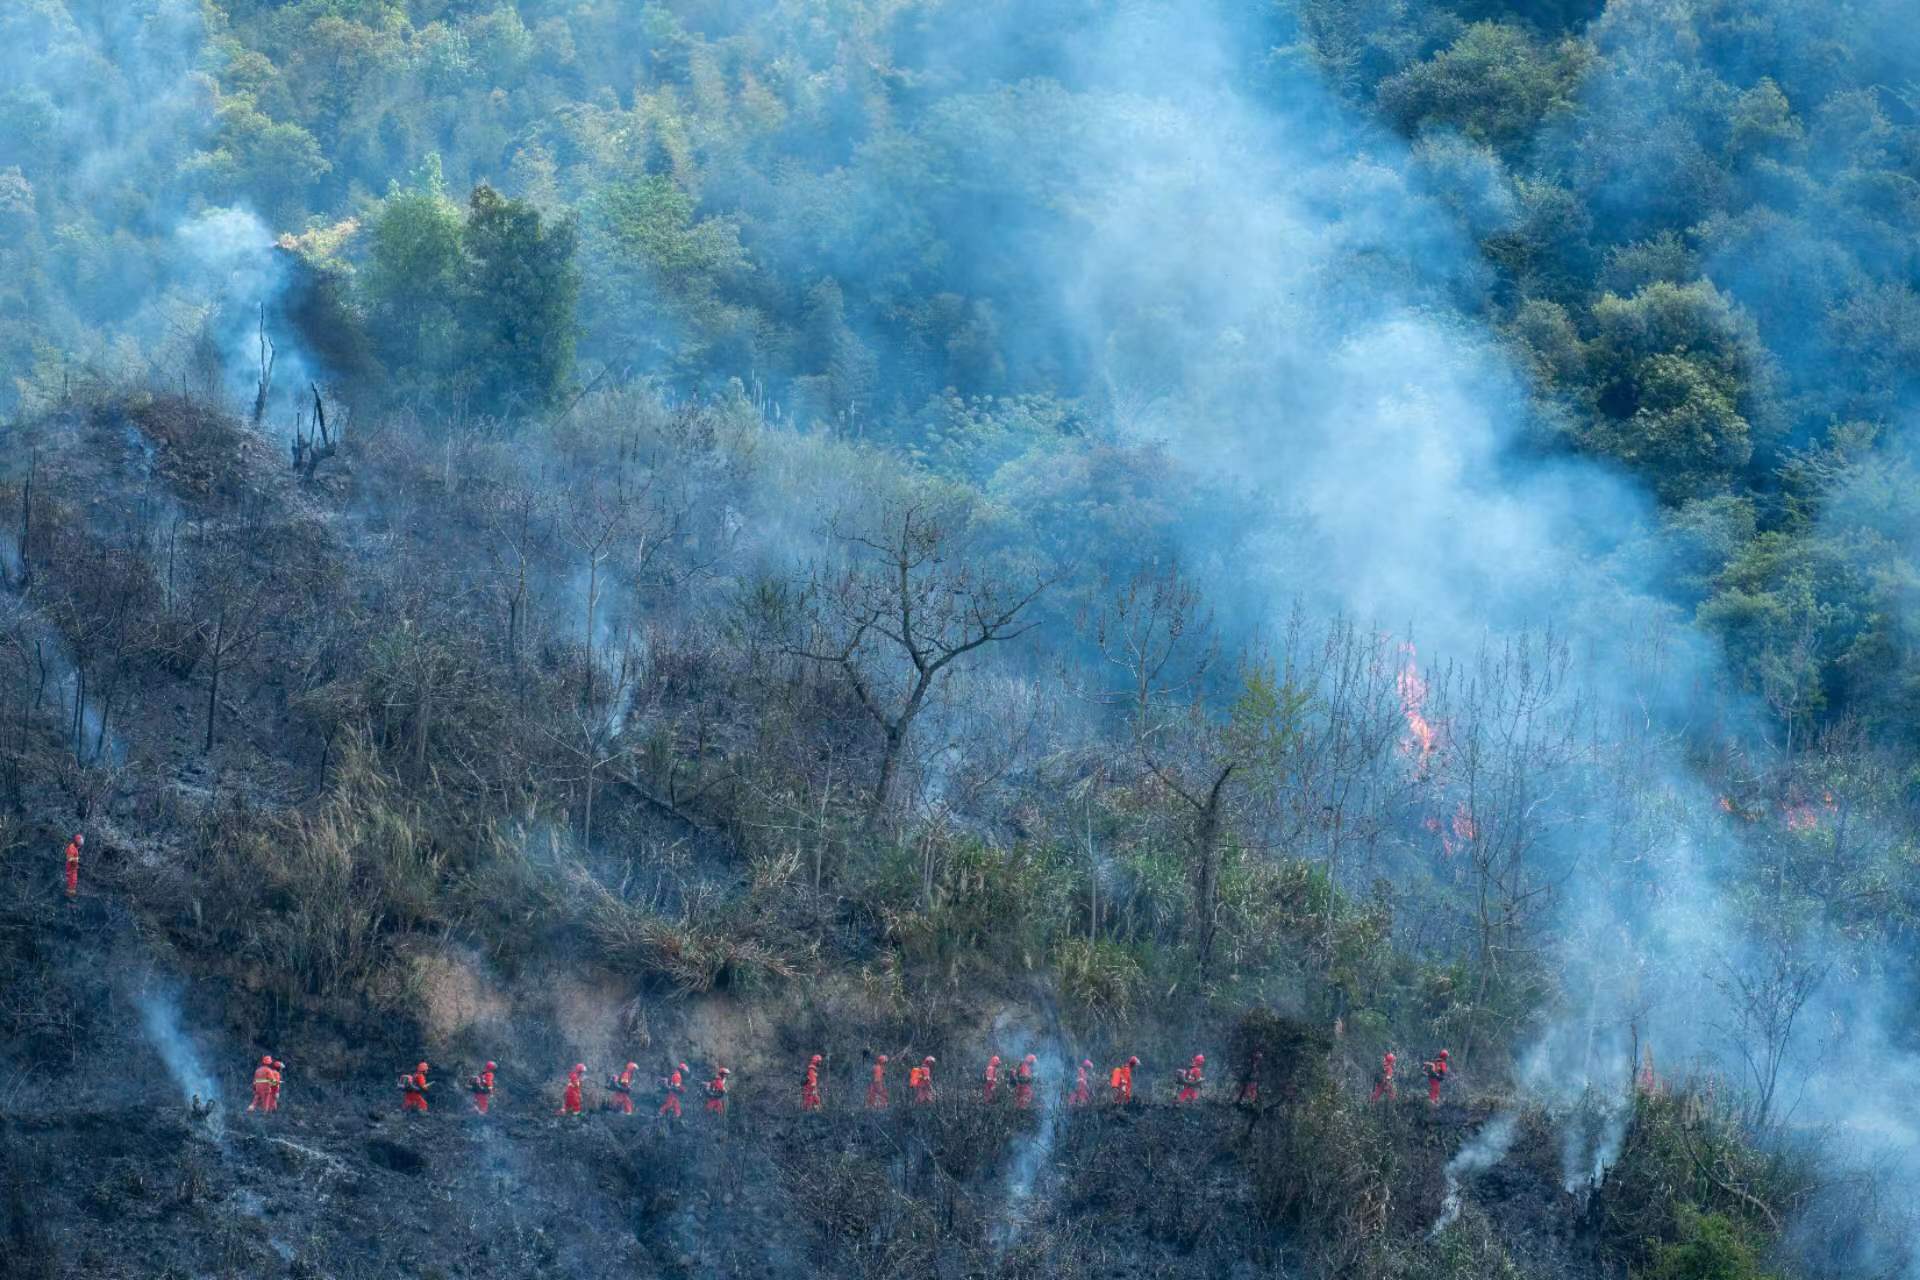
1804, 815
1418, 744
1461, 833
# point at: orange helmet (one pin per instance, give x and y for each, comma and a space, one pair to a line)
1133, 1062
814, 1058
633, 1066
1443, 1054
994, 1058
725, 1071
579, 1066
1390, 1057
1199, 1058
267, 1061
883, 1057
279, 1065
1031, 1058
421, 1067
681, 1067
79, 837
489, 1066
927, 1061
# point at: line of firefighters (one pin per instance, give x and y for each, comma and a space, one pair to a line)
1017, 1080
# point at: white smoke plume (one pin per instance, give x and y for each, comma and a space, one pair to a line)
160, 1017
1486, 1149
1032, 1151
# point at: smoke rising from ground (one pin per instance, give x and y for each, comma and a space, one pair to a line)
160, 1016
1484, 1150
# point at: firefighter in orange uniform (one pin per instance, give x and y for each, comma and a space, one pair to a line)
1383, 1086
1082, 1092
262, 1086
1121, 1081
413, 1090
1436, 1072
73, 865
810, 1085
273, 1094
482, 1086
621, 1090
993, 1078
674, 1084
717, 1092
1191, 1079
572, 1097
1023, 1083
877, 1088
920, 1079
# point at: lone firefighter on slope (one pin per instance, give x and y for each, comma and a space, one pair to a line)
262, 1086
73, 865
810, 1085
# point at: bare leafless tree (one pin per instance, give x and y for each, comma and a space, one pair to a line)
913, 598
227, 604
267, 355
1765, 990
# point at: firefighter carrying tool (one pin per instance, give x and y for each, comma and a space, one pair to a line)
1190, 1079
920, 1079
674, 1084
1120, 1081
413, 1090
717, 1092
1436, 1073
620, 1090
481, 1087
1023, 1083
273, 1094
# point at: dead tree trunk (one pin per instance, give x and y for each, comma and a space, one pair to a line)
267, 356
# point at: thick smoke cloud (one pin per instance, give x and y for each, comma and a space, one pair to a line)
1276, 293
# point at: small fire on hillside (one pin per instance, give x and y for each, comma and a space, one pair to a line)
1418, 745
